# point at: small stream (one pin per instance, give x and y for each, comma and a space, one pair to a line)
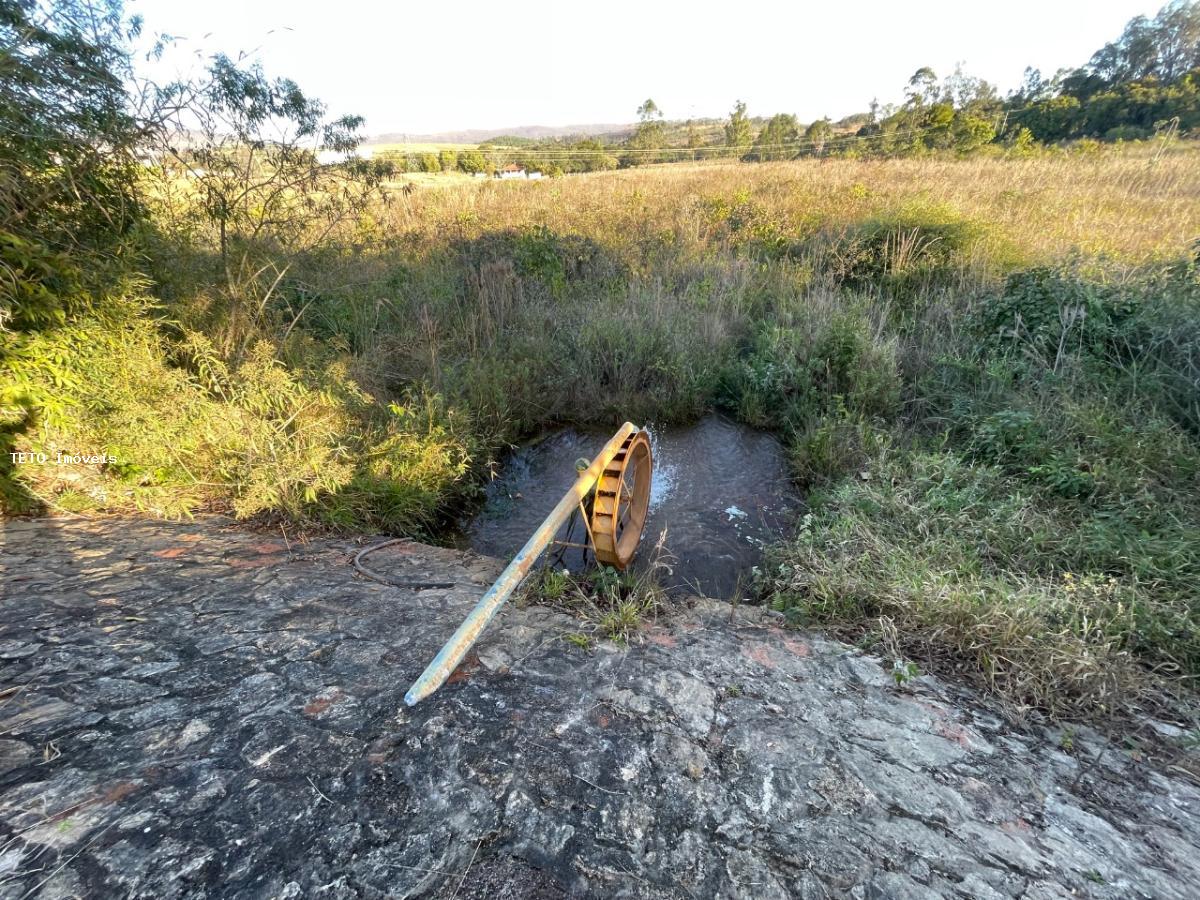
720, 490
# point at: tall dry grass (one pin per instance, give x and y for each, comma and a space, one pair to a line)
1136, 204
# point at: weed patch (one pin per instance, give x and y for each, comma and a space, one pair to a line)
609, 604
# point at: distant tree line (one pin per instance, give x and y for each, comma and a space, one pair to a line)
550, 158
1144, 82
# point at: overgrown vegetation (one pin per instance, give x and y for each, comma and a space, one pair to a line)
987, 369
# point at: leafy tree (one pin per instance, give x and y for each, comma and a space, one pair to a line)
970, 130
590, 156
777, 140
1034, 87
873, 126
817, 134
738, 136
922, 88
1178, 39
448, 160
431, 162
473, 161
68, 156
1130, 88
1166, 47
959, 113
649, 111
936, 124
899, 132
648, 136
250, 145
971, 94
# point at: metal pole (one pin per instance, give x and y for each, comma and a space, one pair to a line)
468, 632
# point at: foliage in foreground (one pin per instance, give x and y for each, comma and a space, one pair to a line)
183, 431
977, 575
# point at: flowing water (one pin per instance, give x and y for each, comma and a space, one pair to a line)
720, 490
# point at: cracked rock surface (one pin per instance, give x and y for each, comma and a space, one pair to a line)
191, 710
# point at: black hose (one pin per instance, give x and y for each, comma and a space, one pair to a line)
414, 585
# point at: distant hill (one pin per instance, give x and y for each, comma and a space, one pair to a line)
479, 135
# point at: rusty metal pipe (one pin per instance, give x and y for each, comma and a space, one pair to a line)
468, 632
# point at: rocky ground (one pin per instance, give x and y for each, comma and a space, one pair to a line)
196, 711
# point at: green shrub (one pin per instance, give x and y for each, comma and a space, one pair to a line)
1159, 349
1050, 312
790, 377
838, 444
751, 228
906, 252
974, 570
260, 439
41, 287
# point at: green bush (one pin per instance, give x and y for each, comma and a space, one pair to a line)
838, 444
792, 376
258, 439
412, 468
1159, 350
1051, 312
904, 253
752, 229
974, 569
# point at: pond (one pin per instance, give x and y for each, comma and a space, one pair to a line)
720, 491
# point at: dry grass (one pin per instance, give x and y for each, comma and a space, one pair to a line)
1131, 204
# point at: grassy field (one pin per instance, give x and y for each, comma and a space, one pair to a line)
429, 179
1127, 204
987, 371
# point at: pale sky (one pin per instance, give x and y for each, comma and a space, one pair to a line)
437, 66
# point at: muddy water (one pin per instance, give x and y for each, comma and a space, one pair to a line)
720, 491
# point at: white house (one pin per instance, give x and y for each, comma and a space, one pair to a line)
512, 170
332, 157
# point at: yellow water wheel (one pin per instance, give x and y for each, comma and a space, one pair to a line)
621, 502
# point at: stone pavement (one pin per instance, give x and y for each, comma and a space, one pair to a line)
192, 710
